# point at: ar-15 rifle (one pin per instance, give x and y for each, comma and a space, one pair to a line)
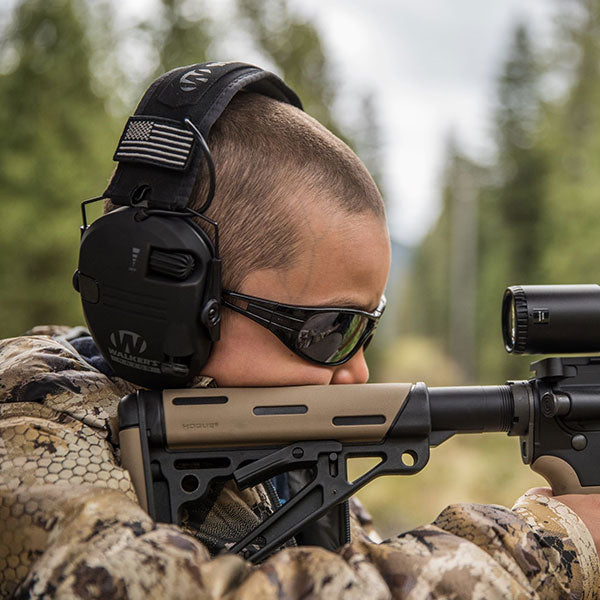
177, 443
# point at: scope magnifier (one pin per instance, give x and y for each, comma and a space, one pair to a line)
551, 319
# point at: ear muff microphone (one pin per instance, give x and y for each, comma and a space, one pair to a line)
150, 277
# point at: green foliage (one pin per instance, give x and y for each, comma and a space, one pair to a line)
511, 204
537, 204
55, 132
294, 45
521, 166
428, 291
442, 288
572, 219
181, 38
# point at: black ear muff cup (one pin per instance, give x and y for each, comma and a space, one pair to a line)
143, 294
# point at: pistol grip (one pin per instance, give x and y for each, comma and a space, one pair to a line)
561, 476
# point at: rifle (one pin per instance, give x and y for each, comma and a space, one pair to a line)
177, 443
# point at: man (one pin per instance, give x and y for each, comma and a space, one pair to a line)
302, 223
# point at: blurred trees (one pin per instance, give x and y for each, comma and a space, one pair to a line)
296, 50
571, 219
521, 166
444, 289
531, 216
512, 202
55, 136
70, 73
536, 206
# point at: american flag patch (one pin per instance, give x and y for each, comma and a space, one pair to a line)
159, 142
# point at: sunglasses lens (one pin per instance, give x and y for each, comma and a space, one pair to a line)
329, 337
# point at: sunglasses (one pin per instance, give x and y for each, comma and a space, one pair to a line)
323, 335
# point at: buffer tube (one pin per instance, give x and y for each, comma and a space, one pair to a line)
476, 409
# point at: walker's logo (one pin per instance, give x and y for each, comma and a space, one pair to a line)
125, 349
195, 78
128, 342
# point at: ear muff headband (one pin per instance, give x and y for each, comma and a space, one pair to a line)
199, 93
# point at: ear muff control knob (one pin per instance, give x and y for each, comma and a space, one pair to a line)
176, 265
76, 281
211, 314
211, 319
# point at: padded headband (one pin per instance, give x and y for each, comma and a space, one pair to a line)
158, 153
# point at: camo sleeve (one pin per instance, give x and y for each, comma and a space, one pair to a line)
539, 550
70, 525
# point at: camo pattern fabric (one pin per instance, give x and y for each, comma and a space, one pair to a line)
71, 527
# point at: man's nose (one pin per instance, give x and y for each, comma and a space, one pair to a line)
354, 371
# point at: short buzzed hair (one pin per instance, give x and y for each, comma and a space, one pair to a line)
270, 157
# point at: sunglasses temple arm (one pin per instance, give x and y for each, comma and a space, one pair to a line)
247, 313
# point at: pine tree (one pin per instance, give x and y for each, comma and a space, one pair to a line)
428, 309
512, 204
572, 220
521, 162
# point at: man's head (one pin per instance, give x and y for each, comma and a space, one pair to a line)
274, 164
301, 222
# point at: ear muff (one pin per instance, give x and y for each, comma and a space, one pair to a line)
149, 287
149, 276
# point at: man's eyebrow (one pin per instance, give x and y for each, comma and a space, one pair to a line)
346, 302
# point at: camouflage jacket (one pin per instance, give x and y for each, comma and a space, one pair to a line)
71, 527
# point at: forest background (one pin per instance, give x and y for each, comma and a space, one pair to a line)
69, 79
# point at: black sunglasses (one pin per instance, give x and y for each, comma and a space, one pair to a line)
323, 335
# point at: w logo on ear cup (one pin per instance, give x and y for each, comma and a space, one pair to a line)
128, 341
194, 79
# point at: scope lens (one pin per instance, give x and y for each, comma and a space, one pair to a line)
510, 331
512, 322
